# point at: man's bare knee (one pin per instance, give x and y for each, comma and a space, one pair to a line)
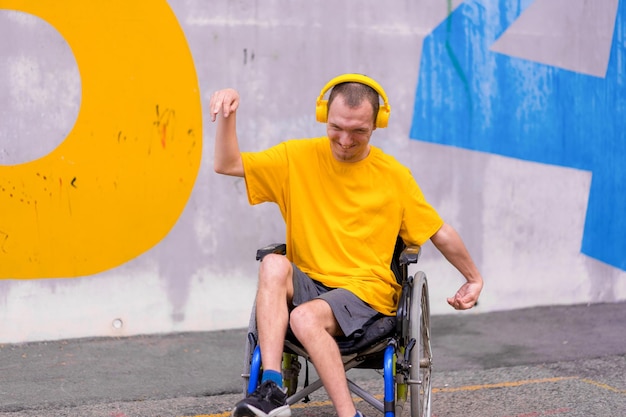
312, 317
275, 270
300, 321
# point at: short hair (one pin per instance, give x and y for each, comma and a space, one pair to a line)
354, 93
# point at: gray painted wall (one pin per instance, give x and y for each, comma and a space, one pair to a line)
522, 221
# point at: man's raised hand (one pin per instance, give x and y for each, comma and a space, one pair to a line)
225, 101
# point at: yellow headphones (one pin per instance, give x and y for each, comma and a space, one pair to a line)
321, 107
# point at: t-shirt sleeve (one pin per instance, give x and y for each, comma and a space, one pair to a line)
265, 174
420, 220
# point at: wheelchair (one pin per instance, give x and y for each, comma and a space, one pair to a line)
399, 346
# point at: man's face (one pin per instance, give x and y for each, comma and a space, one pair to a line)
349, 130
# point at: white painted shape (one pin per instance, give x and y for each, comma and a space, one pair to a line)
575, 35
41, 86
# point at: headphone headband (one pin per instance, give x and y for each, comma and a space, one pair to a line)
383, 111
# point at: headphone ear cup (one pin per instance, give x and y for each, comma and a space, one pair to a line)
382, 118
321, 111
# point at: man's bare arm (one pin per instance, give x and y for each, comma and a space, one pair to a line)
227, 158
450, 244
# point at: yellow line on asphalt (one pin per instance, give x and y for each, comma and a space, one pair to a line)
501, 384
604, 386
527, 382
224, 414
509, 384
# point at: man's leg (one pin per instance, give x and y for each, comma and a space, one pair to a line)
314, 324
274, 292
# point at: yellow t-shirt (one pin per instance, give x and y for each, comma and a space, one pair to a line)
342, 219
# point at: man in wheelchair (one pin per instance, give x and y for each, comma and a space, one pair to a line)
344, 202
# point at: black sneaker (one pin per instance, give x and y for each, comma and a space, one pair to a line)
269, 400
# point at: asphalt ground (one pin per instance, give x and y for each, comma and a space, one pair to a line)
564, 361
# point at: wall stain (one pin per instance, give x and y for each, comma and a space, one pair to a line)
162, 124
245, 56
191, 134
3, 240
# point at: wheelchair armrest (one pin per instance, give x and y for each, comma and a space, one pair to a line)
278, 248
410, 255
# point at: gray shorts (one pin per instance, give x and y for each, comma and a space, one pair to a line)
352, 314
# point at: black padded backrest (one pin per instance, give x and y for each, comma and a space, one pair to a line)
398, 270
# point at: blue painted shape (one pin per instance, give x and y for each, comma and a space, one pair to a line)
473, 98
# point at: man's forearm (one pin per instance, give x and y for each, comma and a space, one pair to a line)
227, 157
450, 244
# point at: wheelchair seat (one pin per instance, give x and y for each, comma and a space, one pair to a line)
399, 345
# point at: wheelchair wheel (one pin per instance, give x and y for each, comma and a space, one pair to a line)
252, 341
421, 354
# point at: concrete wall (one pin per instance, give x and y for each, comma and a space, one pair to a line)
511, 115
